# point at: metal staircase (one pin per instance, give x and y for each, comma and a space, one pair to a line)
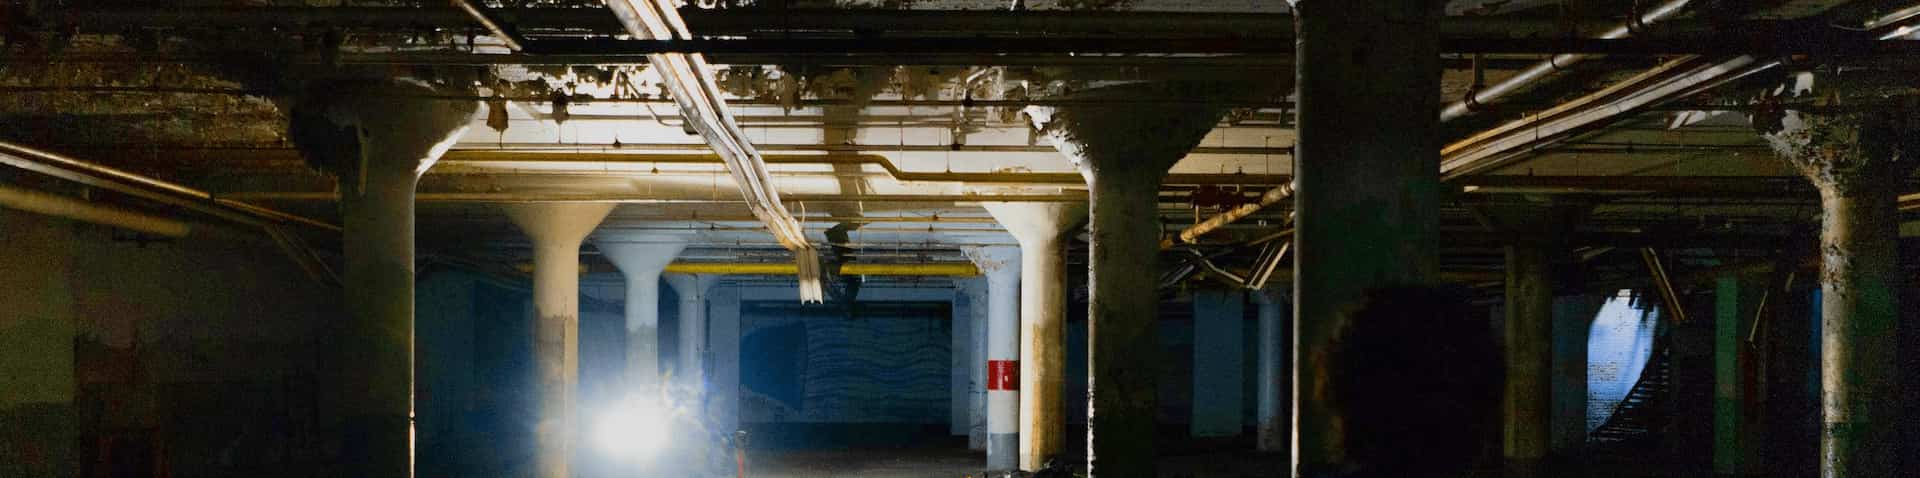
1646, 410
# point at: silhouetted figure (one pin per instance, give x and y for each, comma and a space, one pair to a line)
1415, 377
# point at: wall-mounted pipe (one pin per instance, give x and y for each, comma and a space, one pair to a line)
63, 167
80, 210
500, 30
1481, 96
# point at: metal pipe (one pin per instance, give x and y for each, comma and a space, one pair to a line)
501, 31
1269, 198
1668, 297
892, 170
68, 168
512, 197
79, 210
1539, 71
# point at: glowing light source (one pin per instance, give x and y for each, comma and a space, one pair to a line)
634, 429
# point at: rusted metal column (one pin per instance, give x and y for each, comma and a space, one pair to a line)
1040, 228
1367, 183
376, 137
1123, 151
641, 258
1538, 231
1001, 264
1856, 156
556, 230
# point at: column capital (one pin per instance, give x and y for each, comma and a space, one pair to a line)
353, 127
1034, 224
994, 261
639, 254
691, 285
1531, 219
1868, 145
1126, 139
558, 222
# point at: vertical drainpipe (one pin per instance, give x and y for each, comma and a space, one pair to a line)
380, 136
1857, 157
1367, 180
1271, 374
1123, 150
690, 369
641, 258
1001, 264
1040, 228
556, 230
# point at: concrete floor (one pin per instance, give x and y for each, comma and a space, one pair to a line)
946, 462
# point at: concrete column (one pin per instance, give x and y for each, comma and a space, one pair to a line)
556, 230
1271, 375
1367, 183
1001, 264
976, 291
1219, 365
1572, 326
691, 368
1538, 233
640, 258
958, 385
1123, 151
377, 137
1040, 228
723, 353
1736, 426
1857, 157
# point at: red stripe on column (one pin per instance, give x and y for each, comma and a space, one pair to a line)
1003, 375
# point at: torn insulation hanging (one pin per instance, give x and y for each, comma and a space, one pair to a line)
693, 88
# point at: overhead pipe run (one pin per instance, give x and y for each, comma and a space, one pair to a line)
690, 80
1481, 96
79, 210
848, 269
1193, 233
95, 175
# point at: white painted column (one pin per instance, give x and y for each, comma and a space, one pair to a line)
690, 369
640, 258
556, 230
1001, 264
1041, 229
723, 367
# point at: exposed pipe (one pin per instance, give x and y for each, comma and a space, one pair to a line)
892, 170
1269, 198
689, 79
1539, 71
1661, 281
144, 187
479, 15
72, 208
516, 197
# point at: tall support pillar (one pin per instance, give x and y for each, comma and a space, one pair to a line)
1001, 264
377, 137
976, 292
1040, 228
556, 230
1367, 183
723, 338
690, 369
641, 258
1219, 365
1271, 375
1737, 432
959, 384
1123, 152
1538, 233
1857, 158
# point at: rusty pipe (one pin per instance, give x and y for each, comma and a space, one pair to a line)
1269, 198
1552, 65
80, 210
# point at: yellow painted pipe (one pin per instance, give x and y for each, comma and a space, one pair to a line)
938, 269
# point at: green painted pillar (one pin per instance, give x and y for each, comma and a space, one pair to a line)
1736, 425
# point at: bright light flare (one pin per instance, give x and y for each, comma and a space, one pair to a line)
633, 429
